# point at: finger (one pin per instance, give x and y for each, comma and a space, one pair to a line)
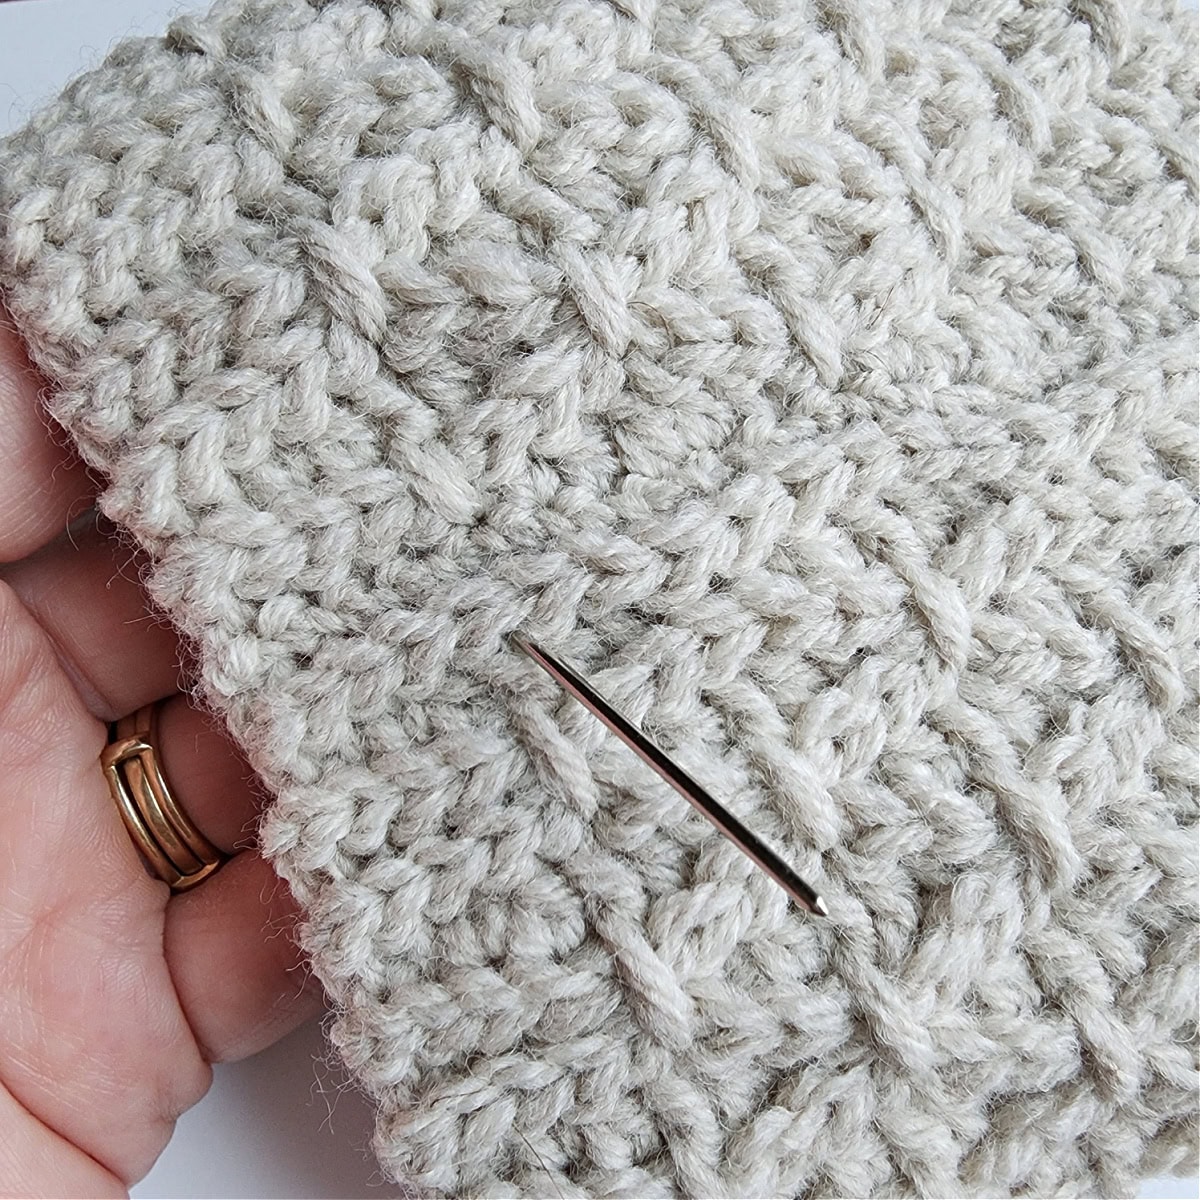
43, 484
229, 943
31, 1154
208, 776
92, 1039
114, 646
233, 956
121, 655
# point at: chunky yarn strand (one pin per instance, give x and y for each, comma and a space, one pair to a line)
818, 376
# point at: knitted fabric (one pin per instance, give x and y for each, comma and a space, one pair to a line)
818, 378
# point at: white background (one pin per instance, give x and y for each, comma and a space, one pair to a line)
282, 1124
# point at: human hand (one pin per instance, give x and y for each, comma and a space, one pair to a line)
115, 995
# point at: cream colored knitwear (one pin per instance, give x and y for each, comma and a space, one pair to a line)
820, 379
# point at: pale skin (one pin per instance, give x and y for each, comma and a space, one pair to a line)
115, 996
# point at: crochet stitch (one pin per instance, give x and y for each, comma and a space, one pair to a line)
818, 376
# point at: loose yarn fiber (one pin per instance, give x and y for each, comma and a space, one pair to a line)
818, 377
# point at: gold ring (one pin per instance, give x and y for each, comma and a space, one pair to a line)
178, 852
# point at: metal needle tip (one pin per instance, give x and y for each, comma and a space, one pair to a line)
699, 798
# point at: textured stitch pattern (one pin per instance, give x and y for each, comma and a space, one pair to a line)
820, 377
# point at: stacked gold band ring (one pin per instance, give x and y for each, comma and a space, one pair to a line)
176, 850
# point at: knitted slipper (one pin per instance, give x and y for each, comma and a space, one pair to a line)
819, 379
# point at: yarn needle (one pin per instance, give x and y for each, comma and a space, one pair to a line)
698, 797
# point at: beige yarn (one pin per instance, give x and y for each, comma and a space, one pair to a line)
820, 378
